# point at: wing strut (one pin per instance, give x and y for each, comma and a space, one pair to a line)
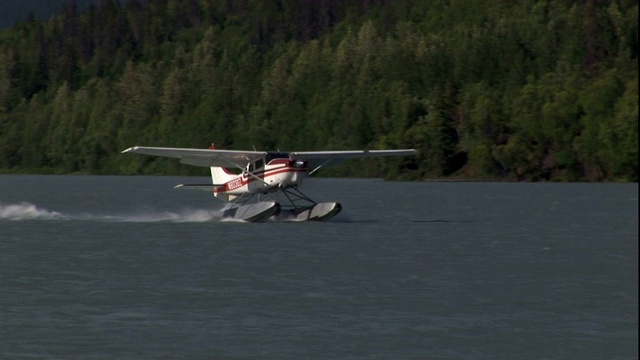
319, 166
256, 177
247, 171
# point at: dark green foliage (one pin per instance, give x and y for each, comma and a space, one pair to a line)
527, 90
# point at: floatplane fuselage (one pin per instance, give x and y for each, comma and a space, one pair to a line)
261, 174
262, 177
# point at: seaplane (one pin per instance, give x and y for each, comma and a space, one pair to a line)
248, 181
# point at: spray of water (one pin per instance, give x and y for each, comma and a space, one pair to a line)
161, 216
28, 211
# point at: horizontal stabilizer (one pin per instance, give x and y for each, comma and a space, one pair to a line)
204, 187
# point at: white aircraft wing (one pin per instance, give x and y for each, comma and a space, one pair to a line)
202, 157
347, 154
319, 159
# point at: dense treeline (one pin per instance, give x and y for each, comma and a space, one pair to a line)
14, 11
518, 90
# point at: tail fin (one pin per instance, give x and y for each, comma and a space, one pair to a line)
219, 176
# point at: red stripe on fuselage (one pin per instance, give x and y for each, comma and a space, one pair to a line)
241, 180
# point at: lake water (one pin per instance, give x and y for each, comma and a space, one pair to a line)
100, 267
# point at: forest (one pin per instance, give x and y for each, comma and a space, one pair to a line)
13, 11
530, 90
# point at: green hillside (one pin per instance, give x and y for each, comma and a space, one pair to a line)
13, 11
514, 90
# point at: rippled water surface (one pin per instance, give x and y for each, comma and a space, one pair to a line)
127, 267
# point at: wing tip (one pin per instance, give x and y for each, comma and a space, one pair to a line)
131, 149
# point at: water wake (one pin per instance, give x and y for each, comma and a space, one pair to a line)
162, 216
28, 211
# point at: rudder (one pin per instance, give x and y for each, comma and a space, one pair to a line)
220, 176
